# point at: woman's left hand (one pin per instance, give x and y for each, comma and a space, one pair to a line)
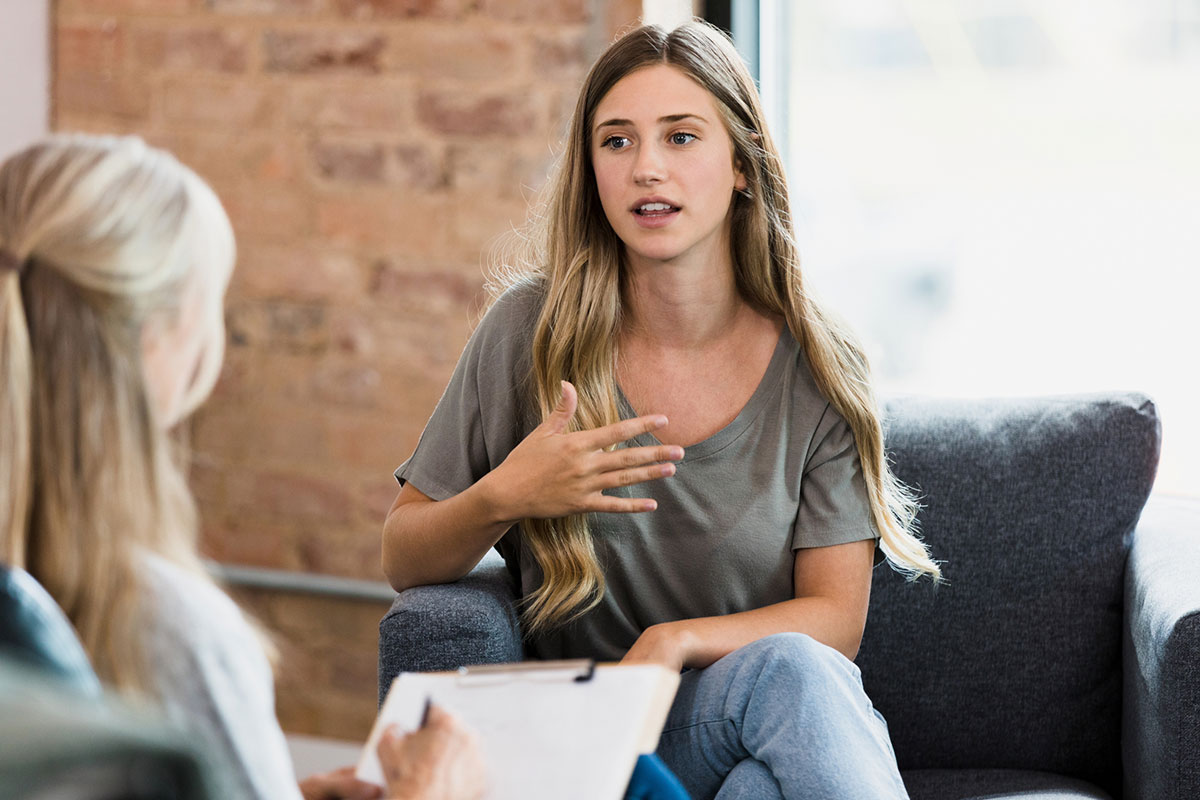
664, 644
338, 785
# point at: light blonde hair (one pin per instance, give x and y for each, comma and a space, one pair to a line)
110, 235
572, 249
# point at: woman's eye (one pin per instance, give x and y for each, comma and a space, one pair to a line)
616, 142
682, 138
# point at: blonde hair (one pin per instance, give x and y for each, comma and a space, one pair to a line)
109, 235
572, 248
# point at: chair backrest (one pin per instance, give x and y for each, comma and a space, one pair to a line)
1016, 661
34, 630
52, 746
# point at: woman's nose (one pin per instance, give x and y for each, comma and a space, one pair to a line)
650, 167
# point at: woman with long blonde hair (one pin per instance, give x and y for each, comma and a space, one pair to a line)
114, 260
674, 446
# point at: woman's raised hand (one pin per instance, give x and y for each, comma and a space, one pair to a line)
554, 473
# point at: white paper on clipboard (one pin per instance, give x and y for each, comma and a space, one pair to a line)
546, 734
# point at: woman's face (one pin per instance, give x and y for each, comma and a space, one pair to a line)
664, 167
173, 349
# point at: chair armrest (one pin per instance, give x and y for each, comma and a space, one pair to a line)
1160, 729
441, 627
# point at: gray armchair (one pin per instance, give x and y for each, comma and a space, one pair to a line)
1062, 657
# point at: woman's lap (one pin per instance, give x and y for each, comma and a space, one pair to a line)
786, 703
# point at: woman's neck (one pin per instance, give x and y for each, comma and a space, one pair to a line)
679, 306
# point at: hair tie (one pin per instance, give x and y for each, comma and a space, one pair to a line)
9, 261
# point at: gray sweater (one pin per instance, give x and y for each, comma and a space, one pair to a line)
216, 682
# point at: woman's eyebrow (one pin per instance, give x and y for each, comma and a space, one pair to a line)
668, 119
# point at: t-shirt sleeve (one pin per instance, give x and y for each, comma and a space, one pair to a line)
478, 420
834, 506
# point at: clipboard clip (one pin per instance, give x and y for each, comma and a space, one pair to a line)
579, 670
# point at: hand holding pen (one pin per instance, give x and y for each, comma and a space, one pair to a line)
438, 761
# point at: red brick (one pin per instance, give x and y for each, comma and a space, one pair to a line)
285, 496
482, 226
420, 166
400, 9
379, 495
349, 161
475, 114
345, 385
159, 7
229, 156
373, 444
539, 10
354, 556
224, 103
178, 48
420, 225
382, 104
422, 292
323, 52
247, 543
234, 436
265, 212
297, 272
455, 52
484, 170
560, 54
275, 324
268, 7
120, 98
95, 49
427, 345
98, 122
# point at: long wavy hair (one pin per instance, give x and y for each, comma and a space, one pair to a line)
108, 235
570, 246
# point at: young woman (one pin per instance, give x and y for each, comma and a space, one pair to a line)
114, 260
675, 448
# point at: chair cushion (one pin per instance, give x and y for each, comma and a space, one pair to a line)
1015, 662
996, 784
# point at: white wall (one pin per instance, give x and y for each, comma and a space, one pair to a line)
24, 72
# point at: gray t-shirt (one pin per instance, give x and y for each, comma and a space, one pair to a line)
784, 475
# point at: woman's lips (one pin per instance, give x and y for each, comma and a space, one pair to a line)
655, 215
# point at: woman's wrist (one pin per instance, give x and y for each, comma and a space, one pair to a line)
493, 501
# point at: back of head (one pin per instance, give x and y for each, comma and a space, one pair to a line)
99, 238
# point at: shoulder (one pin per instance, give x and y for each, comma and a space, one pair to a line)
515, 310
196, 631
813, 418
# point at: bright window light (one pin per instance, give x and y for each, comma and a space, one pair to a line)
1003, 197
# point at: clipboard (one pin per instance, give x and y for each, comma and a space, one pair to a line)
547, 729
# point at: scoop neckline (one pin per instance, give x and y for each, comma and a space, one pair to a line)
784, 348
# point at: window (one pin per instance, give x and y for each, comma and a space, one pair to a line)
1002, 196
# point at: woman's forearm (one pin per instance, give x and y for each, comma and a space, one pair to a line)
426, 542
697, 643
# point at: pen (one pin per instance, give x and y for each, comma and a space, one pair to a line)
425, 713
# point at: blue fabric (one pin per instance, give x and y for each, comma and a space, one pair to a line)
653, 781
782, 717
34, 631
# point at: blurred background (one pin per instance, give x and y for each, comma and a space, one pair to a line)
1002, 196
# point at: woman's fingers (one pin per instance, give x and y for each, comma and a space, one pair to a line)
627, 457
628, 477
623, 431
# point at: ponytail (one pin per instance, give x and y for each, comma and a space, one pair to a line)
16, 381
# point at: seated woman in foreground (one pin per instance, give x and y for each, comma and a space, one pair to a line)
114, 260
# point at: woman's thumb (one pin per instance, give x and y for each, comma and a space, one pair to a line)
565, 408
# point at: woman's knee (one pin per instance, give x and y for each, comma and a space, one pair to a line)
802, 657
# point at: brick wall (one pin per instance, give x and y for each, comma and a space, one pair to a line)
368, 152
